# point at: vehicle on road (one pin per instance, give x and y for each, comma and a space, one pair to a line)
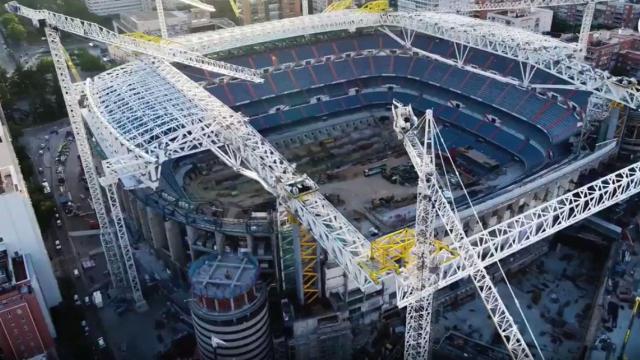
45, 187
76, 273
87, 301
76, 299
85, 327
97, 299
93, 225
58, 245
101, 343
58, 223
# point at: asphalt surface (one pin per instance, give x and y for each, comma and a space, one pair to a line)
74, 248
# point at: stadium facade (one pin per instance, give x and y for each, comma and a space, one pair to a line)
331, 94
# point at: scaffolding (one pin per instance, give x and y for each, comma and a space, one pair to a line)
392, 252
309, 265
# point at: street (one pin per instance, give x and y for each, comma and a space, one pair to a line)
77, 241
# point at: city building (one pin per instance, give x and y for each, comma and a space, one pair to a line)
229, 308
417, 5
179, 22
616, 50
536, 20
255, 11
27, 331
19, 227
117, 7
290, 8
204, 212
614, 14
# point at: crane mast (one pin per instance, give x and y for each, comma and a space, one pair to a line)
161, 20
119, 275
505, 324
168, 52
422, 269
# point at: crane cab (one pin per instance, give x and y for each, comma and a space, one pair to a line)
300, 186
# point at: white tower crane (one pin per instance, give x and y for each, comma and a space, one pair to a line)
431, 200
587, 16
53, 22
163, 22
169, 51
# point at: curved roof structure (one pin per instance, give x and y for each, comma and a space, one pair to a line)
141, 107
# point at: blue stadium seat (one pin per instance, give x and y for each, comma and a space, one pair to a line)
323, 74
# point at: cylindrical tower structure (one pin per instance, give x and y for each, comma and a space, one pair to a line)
229, 308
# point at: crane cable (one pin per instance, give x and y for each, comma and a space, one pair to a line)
475, 214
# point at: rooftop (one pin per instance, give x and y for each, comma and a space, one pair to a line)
10, 177
223, 277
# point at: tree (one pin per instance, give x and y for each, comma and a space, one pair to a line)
8, 19
5, 94
89, 62
16, 32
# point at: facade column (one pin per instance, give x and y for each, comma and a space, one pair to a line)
250, 244
143, 219
174, 238
156, 225
219, 242
192, 235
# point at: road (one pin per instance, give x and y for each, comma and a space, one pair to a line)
47, 139
29, 55
5, 59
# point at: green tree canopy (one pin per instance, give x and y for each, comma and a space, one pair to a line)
16, 32
8, 19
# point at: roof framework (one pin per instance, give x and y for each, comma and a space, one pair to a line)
145, 112
556, 57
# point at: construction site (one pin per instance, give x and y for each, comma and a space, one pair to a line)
363, 183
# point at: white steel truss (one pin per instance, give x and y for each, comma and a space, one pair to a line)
71, 98
525, 229
505, 324
166, 51
161, 20
199, 4
422, 270
125, 247
585, 28
203, 122
494, 5
543, 52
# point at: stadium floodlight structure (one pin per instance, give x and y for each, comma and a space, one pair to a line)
167, 51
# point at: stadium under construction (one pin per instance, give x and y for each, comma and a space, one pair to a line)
198, 157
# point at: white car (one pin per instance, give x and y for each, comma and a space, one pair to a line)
101, 343
76, 299
58, 245
58, 223
76, 273
45, 187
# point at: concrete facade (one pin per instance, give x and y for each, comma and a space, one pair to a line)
113, 7
19, 228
